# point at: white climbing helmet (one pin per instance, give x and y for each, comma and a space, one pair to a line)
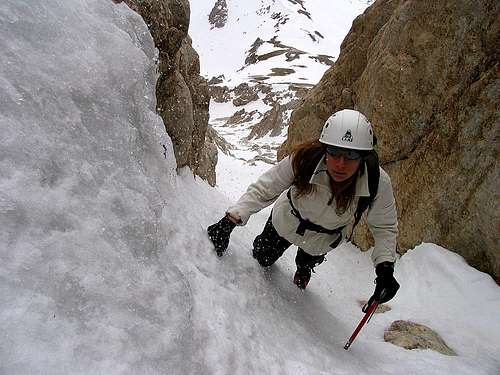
348, 129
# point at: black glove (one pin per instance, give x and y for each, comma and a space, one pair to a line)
387, 286
219, 234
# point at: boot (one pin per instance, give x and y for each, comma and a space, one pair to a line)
302, 277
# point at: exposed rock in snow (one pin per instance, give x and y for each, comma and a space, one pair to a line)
380, 308
221, 143
411, 335
244, 94
269, 160
265, 154
218, 15
242, 116
260, 121
216, 80
324, 59
281, 71
220, 94
265, 89
291, 53
271, 123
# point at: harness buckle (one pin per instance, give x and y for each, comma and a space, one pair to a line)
301, 228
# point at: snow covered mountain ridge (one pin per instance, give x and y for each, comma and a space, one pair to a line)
276, 41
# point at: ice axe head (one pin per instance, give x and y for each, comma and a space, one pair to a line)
372, 299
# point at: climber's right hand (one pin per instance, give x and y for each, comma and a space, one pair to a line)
219, 234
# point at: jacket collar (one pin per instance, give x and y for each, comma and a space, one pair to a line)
321, 177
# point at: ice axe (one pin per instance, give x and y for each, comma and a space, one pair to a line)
369, 311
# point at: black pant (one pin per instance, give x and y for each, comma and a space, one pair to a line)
269, 246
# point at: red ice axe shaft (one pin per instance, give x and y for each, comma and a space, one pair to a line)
368, 313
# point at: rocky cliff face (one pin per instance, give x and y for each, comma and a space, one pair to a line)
427, 75
182, 94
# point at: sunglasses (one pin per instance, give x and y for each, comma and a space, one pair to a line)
337, 152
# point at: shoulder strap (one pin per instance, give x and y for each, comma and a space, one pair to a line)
373, 170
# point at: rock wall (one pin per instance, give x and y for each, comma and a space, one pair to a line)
427, 75
181, 92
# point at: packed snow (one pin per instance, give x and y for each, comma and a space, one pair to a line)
105, 267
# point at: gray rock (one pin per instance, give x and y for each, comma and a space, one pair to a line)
265, 89
281, 71
218, 140
216, 80
252, 57
241, 116
218, 15
270, 159
272, 123
411, 335
244, 94
220, 94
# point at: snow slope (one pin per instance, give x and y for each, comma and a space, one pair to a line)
104, 263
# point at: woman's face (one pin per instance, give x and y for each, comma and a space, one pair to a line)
341, 166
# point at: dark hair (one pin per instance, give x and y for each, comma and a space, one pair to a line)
305, 158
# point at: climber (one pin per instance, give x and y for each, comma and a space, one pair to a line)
321, 188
